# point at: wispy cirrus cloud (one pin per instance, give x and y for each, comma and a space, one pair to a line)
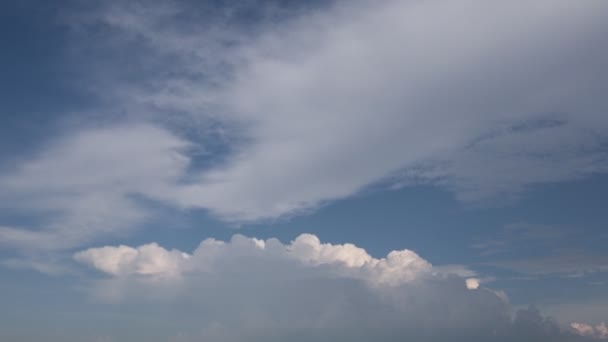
84, 185
319, 105
574, 263
521, 235
542, 250
450, 94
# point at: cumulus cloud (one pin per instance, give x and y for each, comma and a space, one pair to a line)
600, 331
472, 283
347, 260
264, 290
146, 260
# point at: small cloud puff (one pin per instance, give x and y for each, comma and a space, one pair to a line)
600, 331
150, 259
472, 283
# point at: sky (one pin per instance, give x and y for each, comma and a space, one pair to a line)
347, 170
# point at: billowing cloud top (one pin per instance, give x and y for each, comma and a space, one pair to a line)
346, 260
600, 331
261, 290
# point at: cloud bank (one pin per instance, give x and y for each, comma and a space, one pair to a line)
347, 260
264, 290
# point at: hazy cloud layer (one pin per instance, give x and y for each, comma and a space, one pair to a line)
538, 250
81, 186
482, 98
477, 97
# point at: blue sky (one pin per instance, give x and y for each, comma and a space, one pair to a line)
271, 170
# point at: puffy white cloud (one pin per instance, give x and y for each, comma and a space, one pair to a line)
263, 290
347, 260
600, 331
583, 329
472, 283
397, 267
309, 248
148, 259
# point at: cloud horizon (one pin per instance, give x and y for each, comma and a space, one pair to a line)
312, 290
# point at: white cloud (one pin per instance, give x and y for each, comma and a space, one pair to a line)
477, 97
264, 290
472, 283
600, 331
81, 186
148, 259
321, 106
347, 260
51, 265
